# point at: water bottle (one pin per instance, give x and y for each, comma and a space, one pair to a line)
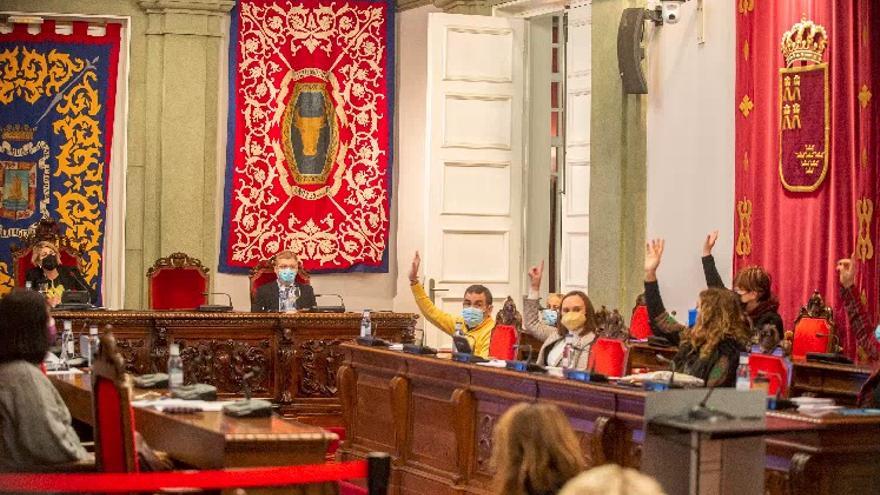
67, 345
458, 331
175, 367
93, 344
743, 376
366, 325
568, 352
29, 285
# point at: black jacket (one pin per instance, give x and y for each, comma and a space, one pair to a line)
764, 314
68, 277
266, 298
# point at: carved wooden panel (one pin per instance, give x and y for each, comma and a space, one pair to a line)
319, 361
223, 363
776, 482
133, 351
485, 431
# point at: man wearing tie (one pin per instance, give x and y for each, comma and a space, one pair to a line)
285, 294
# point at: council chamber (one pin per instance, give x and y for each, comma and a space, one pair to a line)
525, 247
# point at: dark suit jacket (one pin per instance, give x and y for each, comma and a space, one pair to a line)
266, 298
69, 277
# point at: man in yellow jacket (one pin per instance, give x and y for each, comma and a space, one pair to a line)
476, 321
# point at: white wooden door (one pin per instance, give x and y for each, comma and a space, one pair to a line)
575, 221
473, 160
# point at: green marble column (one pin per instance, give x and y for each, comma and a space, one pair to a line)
618, 174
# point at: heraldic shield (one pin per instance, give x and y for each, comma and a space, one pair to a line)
804, 111
310, 133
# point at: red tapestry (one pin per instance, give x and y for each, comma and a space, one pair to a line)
806, 148
309, 134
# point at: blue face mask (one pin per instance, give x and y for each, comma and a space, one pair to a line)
472, 317
549, 316
877, 333
287, 275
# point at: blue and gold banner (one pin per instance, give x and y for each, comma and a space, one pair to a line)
57, 101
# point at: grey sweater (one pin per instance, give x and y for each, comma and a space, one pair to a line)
35, 425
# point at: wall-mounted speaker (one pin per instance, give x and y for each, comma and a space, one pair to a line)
630, 52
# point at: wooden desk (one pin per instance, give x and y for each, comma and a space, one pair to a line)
210, 440
642, 355
297, 355
840, 382
436, 417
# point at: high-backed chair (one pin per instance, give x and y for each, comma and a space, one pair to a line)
264, 273
774, 368
47, 229
115, 450
813, 329
177, 282
608, 357
611, 324
503, 342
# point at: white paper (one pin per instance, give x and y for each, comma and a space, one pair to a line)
162, 404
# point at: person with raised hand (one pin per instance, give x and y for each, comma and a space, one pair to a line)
576, 325
859, 322
476, 309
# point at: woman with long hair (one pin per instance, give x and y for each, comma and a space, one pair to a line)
576, 326
49, 273
535, 451
710, 350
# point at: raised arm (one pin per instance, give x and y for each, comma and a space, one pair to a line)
662, 323
437, 317
532, 323
859, 322
713, 278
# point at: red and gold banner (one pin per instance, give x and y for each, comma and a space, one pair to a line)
806, 148
309, 134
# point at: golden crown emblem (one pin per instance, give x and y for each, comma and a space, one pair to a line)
17, 132
805, 41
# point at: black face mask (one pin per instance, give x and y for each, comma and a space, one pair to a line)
50, 262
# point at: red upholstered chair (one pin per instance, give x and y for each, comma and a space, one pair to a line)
607, 356
772, 367
115, 450
264, 272
502, 342
47, 229
640, 326
177, 282
813, 329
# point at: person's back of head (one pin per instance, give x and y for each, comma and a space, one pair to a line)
535, 450
24, 322
612, 479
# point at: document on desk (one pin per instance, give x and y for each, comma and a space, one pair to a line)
162, 404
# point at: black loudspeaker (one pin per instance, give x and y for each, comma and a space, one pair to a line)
630, 52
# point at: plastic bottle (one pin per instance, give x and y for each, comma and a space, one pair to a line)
743, 376
568, 351
93, 344
68, 348
458, 331
366, 324
29, 285
175, 367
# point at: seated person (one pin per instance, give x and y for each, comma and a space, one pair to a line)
284, 294
35, 425
48, 273
860, 325
577, 318
710, 350
612, 479
475, 319
535, 451
753, 284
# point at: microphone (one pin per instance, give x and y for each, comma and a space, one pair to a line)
701, 412
669, 362
340, 308
216, 308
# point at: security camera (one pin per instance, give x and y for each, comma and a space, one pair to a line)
671, 10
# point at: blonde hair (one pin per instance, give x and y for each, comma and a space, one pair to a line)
35, 251
720, 316
612, 479
535, 451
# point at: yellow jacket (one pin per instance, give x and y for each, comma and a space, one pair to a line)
479, 336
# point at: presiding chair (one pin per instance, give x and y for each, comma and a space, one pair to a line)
177, 282
813, 329
47, 229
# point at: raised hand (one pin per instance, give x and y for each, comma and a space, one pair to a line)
535, 274
414, 271
653, 255
709, 243
846, 271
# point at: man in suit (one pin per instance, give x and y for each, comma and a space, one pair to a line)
284, 294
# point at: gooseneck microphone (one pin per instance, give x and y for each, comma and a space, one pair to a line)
216, 308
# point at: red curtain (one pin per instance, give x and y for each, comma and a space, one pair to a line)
798, 236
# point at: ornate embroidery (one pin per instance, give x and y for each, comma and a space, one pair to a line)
744, 239
865, 213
